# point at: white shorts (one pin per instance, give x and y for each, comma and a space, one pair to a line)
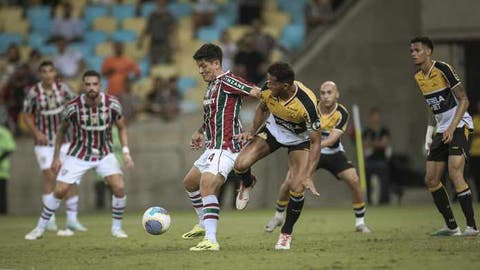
73, 168
44, 155
216, 161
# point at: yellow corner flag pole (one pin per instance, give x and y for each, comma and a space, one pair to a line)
359, 144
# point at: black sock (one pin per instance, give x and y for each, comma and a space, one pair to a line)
465, 199
294, 208
440, 197
246, 177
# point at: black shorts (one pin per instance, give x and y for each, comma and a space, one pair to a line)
334, 163
457, 147
274, 144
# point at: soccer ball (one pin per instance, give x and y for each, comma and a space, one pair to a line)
156, 220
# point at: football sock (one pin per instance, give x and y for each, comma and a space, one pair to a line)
359, 210
50, 205
440, 197
118, 208
294, 208
246, 177
72, 208
211, 211
197, 204
464, 196
280, 209
52, 218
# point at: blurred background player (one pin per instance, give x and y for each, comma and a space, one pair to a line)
42, 110
293, 123
7, 146
447, 100
334, 120
91, 115
221, 123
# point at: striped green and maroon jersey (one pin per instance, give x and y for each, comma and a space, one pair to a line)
221, 108
92, 127
47, 108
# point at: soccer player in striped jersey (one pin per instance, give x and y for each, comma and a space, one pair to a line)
334, 119
293, 123
42, 111
221, 123
91, 116
448, 102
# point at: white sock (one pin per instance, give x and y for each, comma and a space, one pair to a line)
279, 215
197, 204
359, 221
211, 211
118, 208
72, 208
50, 205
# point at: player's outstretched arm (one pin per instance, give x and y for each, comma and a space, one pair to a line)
123, 136
56, 163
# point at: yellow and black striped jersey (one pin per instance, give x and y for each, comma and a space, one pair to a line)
289, 120
337, 119
436, 87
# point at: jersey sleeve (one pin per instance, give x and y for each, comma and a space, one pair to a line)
29, 101
236, 86
312, 119
69, 112
69, 94
343, 120
116, 108
449, 74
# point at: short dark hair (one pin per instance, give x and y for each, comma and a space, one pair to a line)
282, 71
91, 73
45, 63
424, 40
209, 52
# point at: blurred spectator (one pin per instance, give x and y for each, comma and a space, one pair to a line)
249, 63
117, 69
263, 41
34, 60
229, 49
203, 13
10, 64
69, 62
474, 163
7, 146
14, 93
318, 12
67, 27
376, 139
161, 27
249, 10
164, 98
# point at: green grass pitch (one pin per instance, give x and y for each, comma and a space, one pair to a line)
323, 239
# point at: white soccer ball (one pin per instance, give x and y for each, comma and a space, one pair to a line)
156, 220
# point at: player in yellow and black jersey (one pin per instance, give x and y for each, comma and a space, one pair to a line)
334, 120
448, 101
292, 121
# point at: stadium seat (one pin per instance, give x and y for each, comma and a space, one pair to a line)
180, 10
293, 36
123, 11
35, 13
134, 24
124, 36
165, 71
147, 8
41, 25
142, 87
189, 106
105, 24
36, 40
92, 12
9, 38
144, 66
132, 50
83, 48
237, 32
94, 62
277, 19
104, 49
48, 50
208, 34
17, 26
222, 22
93, 38
186, 83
